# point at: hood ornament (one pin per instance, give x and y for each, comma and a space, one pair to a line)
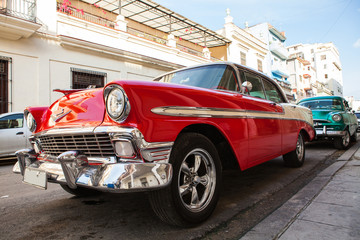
56, 116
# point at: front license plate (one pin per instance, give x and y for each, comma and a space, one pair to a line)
35, 177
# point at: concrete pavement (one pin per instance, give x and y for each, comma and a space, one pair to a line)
326, 208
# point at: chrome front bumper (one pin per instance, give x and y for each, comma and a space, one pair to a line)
72, 168
324, 132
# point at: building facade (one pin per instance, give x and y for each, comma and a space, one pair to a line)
58, 44
244, 48
277, 54
325, 58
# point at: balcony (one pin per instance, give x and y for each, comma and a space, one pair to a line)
18, 19
278, 49
106, 25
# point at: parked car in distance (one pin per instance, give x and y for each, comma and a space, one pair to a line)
357, 114
13, 133
171, 137
333, 119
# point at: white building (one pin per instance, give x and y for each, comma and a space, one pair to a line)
244, 48
325, 58
277, 53
302, 78
50, 44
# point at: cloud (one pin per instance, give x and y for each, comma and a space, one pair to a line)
357, 44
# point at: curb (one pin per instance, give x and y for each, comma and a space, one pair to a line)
274, 225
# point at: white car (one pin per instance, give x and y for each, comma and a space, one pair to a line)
13, 133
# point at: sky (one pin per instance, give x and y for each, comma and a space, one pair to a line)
304, 21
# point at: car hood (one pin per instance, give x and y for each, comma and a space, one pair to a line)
80, 109
323, 114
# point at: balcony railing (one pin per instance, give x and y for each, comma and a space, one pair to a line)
24, 9
146, 36
189, 50
85, 16
81, 14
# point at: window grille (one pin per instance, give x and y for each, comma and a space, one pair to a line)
82, 79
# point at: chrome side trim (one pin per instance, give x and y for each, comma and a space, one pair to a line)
177, 111
205, 112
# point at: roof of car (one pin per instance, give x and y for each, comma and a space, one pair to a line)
235, 65
320, 97
10, 113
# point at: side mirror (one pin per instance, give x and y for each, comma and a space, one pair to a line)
246, 87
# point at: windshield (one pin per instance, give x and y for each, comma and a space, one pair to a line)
211, 77
324, 104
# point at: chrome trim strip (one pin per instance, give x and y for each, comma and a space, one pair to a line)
321, 121
206, 112
65, 131
303, 115
217, 113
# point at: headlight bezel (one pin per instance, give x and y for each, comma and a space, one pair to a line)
30, 121
125, 109
336, 117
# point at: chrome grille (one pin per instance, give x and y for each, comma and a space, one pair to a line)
92, 145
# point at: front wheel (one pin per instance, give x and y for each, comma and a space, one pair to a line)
342, 142
296, 158
194, 191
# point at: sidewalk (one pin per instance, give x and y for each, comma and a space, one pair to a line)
328, 208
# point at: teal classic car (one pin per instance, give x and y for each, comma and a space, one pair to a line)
333, 119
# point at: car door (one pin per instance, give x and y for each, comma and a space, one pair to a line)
13, 134
264, 128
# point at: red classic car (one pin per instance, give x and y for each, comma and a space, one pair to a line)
171, 137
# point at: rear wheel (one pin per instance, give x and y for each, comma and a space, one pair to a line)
342, 142
80, 191
194, 191
296, 158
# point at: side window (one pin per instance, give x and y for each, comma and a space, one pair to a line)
257, 88
228, 80
272, 93
12, 121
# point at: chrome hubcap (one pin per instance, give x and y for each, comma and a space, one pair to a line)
300, 148
197, 179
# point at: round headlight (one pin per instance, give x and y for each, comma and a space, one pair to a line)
336, 117
30, 122
117, 104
